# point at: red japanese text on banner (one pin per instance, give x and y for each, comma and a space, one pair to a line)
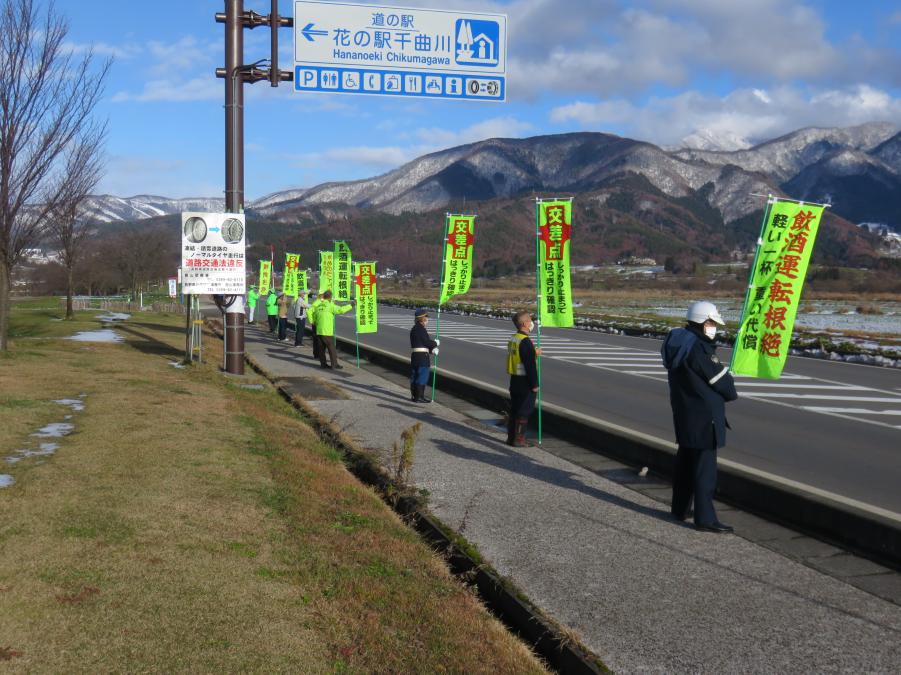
289, 281
457, 256
265, 276
554, 243
366, 296
774, 293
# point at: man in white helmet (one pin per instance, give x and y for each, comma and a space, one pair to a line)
699, 387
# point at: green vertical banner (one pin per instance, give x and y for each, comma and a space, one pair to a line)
366, 296
554, 242
265, 276
457, 256
302, 285
343, 267
289, 281
326, 265
774, 290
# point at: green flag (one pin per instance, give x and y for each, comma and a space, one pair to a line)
554, 220
326, 264
265, 276
342, 283
774, 291
459, 237
366, 296
289, 281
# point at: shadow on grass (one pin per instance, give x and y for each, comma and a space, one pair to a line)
146, 344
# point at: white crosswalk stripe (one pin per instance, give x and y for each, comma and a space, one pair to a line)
791, 389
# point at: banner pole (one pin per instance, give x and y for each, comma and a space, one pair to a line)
538, 305
440, 296
766, 212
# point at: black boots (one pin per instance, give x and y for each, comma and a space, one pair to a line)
417, 394
520, 440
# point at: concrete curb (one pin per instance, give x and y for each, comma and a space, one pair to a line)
504, 600
869, 531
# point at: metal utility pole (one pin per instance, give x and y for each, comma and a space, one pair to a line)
236, 73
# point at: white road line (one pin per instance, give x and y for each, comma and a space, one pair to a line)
851, 411
862, 399
787, 385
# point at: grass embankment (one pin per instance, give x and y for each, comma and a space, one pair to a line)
188, 524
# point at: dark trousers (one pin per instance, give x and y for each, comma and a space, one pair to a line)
522, 398
695, 475
298, 331
273, 322
282, 327
316, 346
327, 343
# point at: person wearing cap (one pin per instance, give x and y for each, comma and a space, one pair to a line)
325, 329
272, 310
252, 297
699, 388
522, 366
421, 345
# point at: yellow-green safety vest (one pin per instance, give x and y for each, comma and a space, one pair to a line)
514, 363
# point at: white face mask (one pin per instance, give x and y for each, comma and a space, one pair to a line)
710, 332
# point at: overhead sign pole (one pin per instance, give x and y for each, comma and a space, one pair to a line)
236, 73
353, 48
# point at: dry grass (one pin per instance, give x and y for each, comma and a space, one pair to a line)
191, 525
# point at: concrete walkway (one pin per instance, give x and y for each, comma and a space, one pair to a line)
644, 593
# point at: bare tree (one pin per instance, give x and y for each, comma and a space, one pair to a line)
84, 168
47, 102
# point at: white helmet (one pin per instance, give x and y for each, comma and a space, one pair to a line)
699, 312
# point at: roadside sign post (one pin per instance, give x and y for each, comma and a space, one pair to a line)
213, 263
352, 48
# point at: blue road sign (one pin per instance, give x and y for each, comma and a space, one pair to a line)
347, 48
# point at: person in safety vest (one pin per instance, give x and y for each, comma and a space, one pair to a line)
522, 366
272, 310
325, 329
252, 297
311, 319
699, 387
421, 345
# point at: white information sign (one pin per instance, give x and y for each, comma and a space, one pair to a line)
348, 48
212, 253
173, 287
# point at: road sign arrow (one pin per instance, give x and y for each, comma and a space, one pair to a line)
308, 31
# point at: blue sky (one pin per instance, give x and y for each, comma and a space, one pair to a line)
656, 70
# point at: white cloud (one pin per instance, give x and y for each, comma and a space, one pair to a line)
618, 48
175, 90
121, 52
752, 114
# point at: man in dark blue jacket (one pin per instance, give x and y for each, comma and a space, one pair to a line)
699, 387
421, 345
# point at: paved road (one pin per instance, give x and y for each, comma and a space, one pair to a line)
833, 426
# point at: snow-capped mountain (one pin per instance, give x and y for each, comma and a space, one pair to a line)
717, 141
857, 169
108, 208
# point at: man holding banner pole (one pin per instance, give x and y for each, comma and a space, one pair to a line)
522, 366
